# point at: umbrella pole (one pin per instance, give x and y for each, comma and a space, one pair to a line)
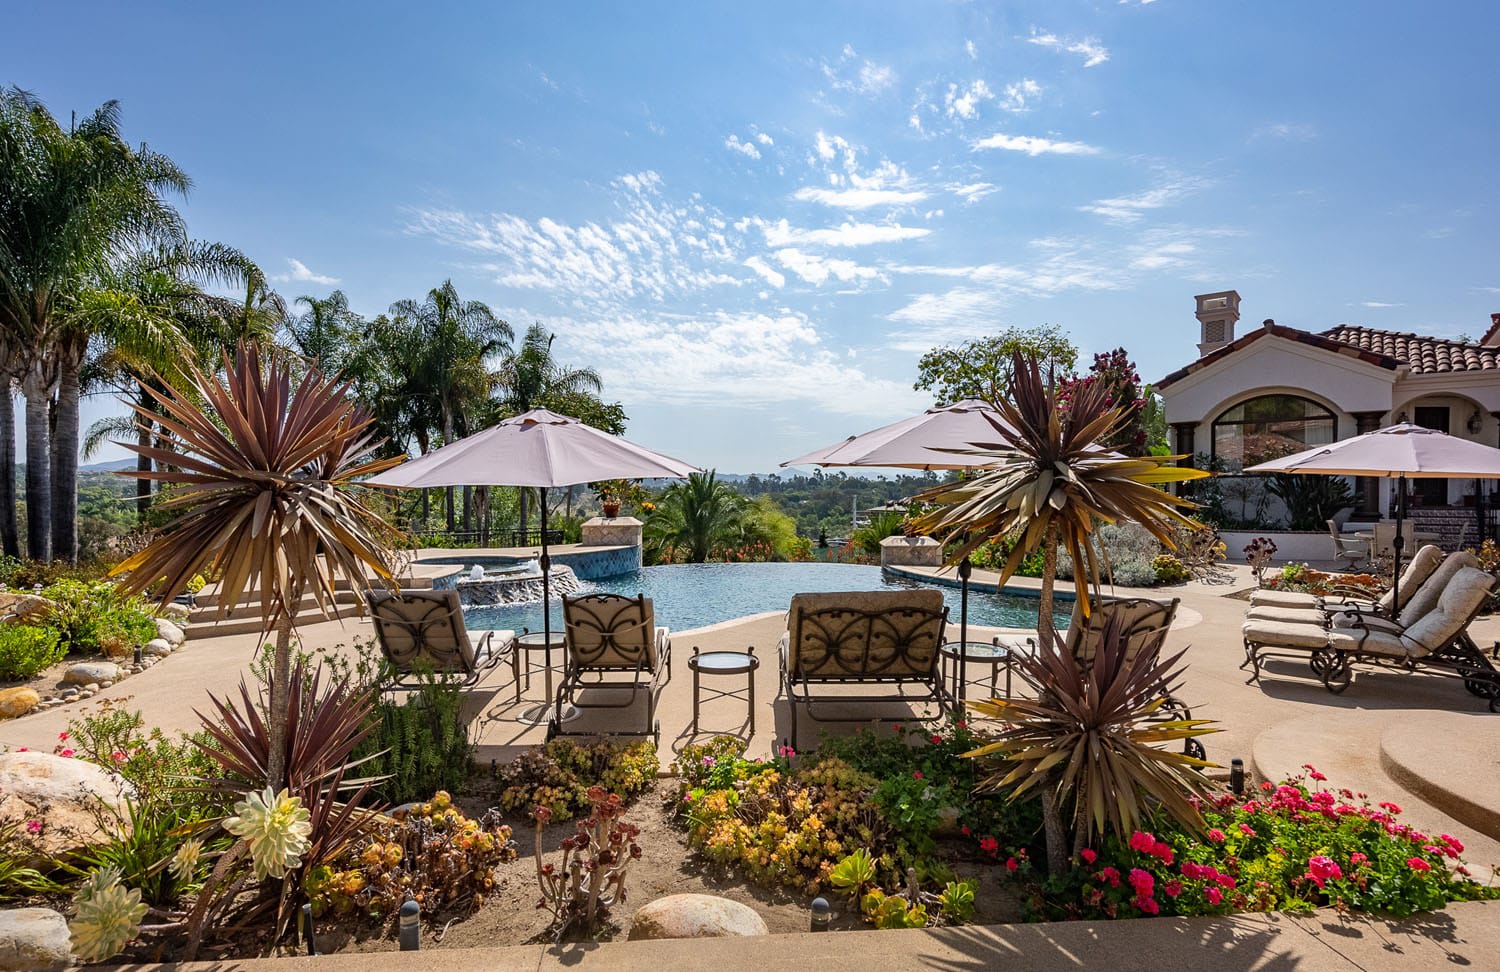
546, 562
965, 568
1396, 543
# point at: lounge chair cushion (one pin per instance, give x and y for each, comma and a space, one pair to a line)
1143, 622
1297, 615
1291, 599
1368, 641
425, 628
613, 631
1426, 598
853, 634
1423, 563
1457, 605
1285, 634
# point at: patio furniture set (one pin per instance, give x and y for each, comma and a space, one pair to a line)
1420, 625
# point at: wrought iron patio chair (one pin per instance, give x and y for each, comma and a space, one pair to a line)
422, 633
614, 646
889, 639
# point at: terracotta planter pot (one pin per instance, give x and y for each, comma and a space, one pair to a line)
611, 508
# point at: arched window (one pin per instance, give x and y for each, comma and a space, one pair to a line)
1270, 427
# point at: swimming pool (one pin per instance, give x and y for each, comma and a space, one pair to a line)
693, 595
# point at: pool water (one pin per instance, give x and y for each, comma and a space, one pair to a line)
693, 595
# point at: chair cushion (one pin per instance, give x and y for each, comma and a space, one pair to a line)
1426, 596
1297, 615
1284, 634
1141, 621
1367, 641
1459, 601
422, 628
889, 634
1292, 599
1423, 563
611, 631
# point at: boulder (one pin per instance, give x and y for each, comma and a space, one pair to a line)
169, 632
33, 939
77, 803
696, 916
156, 647
18, 701
85, 673
16, 606
174, 612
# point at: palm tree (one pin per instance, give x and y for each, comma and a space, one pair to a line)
533, 378
324, 334
158, 321
698, 516
266, 497
456, 339
1053, 483
70, 203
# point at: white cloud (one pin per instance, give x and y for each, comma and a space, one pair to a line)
768, 273
1129, 209
859, 75
747, 149
1162, 256
964, 102
1378, 304
782, 234
1488, 290
1034, 146
859, 198
971, 50
301, 274
815, 269
747, 359
1018, 93
655, 248
974, 191
1287, 131
1092, 52
764, 139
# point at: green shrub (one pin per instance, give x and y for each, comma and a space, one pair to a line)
558, 775
1170, 570
1127, 555
164, 771
420, 743
93, 617
26, 650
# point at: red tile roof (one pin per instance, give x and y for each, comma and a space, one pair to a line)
1423, 355
1385, 349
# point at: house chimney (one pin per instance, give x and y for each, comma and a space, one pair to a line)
1491, 337
1217, 314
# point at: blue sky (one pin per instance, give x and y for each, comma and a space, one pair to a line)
753, 218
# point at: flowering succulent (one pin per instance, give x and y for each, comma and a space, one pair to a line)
276, 827
185, 862
559, 774
107, 916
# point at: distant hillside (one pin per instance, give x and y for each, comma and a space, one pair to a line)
112, 466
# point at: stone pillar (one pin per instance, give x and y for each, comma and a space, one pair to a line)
910, 552
614, 531
1366, 488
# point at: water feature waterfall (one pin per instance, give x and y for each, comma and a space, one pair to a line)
515, 585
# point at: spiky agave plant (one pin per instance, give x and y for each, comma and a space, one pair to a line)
1054, 482
1096, 734
264, 493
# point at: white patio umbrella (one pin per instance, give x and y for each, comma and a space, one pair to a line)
540, 449
1396, 452
939, 438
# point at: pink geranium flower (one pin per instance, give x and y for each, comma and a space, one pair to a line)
1214, 896
1088, 856
1417, 864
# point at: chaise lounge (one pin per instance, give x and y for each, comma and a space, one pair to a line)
614, 647
869, 639
422, 633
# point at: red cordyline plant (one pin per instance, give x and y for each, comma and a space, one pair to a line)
262, 481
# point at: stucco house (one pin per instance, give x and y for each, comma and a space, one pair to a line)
1272, 390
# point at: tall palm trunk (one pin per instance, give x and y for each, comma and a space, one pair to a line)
142, 465
10, 539
448, 440
65, 458
38, 467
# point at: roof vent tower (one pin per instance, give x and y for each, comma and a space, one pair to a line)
1217, 314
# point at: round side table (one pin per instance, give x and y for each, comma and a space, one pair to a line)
724, 663
532, 643
996, 654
